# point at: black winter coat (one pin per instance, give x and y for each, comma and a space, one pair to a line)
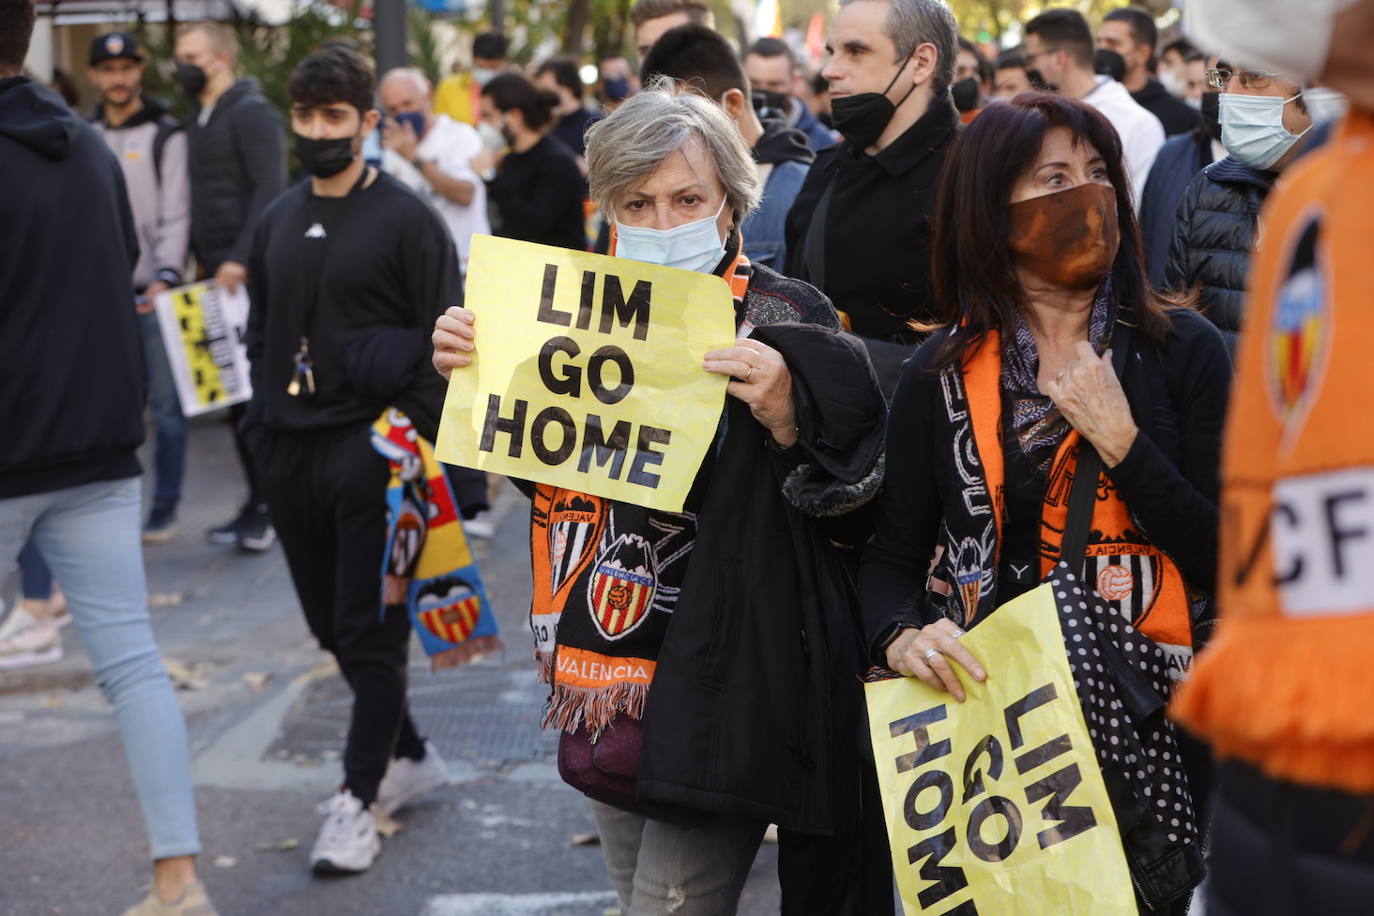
1213, 238
739, 718
1178, 162
237, 164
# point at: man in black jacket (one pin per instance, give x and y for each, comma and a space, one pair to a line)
860, 228
1218, 219
71, 405
237, 164
1130, 32
347, 272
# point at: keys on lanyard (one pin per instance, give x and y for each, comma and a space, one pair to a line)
304, 374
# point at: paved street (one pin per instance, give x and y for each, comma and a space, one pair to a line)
266, 713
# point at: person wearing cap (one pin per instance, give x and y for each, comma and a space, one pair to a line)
151, 149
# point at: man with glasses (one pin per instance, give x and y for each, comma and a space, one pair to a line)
1059, 52
1262, 117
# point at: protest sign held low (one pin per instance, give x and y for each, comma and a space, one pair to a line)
202, 329
996, 805
588, 372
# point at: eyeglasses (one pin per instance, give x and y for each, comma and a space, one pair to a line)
1220, 77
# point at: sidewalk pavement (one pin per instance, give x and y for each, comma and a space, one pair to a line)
266, 710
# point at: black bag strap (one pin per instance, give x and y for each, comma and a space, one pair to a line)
813, 246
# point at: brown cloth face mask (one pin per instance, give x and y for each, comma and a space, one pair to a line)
1068, 238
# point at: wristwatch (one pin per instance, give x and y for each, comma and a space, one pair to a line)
421, 163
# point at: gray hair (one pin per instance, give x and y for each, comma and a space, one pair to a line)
414, 74
911, 23
657, 122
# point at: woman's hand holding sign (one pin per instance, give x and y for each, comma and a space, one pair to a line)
454, 339
760, 378
921, 652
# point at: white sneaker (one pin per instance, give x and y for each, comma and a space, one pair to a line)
30, 643
481, 526
408, 779
19, 619
348, 839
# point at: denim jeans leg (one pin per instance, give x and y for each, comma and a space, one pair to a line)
687, 871
620, 833
169, 423
90, 537
34, 573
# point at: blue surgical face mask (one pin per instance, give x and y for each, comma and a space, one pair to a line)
692, 246
1252, 129
1325, 104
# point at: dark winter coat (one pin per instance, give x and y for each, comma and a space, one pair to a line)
1178, 162
72, 384
1213, 238
237, 164
739, 718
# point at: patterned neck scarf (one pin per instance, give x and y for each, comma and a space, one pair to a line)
1035, 420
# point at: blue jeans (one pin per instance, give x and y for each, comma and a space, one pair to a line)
90, 537
169, 423
34, 573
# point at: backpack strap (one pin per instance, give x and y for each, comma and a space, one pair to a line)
166, 126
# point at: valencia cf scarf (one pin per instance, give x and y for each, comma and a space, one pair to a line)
606, 581
428, 566
1131, 576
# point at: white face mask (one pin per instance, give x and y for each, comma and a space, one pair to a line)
693, 246
1325, 104
483, 75
491, 136
1173, 84
1275, 34
1252, 128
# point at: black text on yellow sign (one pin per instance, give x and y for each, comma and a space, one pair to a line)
588, 372
997, 805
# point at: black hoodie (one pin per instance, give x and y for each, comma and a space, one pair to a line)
71, 359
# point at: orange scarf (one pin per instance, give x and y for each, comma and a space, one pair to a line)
1288, 683
1132, 576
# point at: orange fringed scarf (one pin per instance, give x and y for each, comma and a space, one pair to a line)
1288, 683
1127, 572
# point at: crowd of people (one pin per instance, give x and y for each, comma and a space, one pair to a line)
962, 282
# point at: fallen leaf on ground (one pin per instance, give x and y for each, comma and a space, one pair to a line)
283, 846
166, 599
585, 839
225, 861
257, 679
386, 826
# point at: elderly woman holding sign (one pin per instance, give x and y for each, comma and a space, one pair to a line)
1058, 364
720, 697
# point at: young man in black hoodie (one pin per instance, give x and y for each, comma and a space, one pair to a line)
347, 272
703, 60
238, 166
71, 406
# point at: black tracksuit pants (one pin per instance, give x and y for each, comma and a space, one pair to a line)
326, 493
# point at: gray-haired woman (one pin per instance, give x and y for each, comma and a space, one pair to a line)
714, 713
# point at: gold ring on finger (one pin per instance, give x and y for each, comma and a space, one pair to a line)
749, 373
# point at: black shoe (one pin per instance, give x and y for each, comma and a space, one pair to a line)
228, 533
255, 530
161, 525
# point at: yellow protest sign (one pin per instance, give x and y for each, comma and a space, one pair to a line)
202, 329
588, 372
996, 805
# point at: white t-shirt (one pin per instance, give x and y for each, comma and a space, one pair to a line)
451, 144
1141, 133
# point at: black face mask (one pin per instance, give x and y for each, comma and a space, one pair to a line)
323, 158
965, 94
1211, 114
862, 118
769, 104
190, 78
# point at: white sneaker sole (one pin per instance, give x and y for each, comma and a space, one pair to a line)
30, 659
258, 545
344, 864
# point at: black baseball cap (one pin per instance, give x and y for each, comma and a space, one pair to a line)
114, 45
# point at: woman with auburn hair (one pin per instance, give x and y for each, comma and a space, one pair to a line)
1054, 354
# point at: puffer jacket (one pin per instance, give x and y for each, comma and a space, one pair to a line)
237, 163
1213, 238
